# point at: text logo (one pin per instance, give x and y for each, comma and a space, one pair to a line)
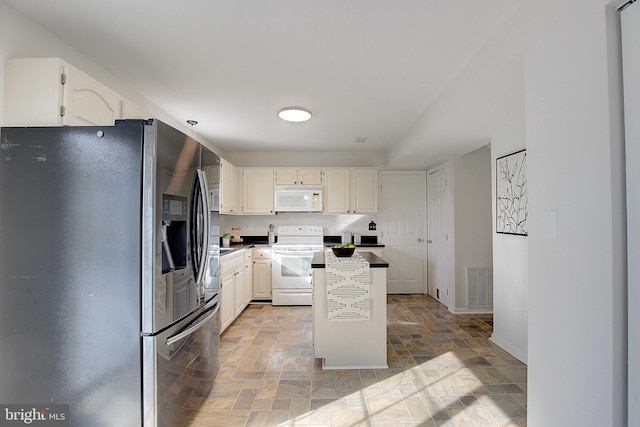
34, 415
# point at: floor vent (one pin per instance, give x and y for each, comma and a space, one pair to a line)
479, 287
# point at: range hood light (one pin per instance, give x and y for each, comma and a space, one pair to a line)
294, 114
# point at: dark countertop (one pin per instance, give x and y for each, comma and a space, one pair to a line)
367, 241
374, 260
235, 247
362, 245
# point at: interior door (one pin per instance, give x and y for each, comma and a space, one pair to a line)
402, 217
439, 259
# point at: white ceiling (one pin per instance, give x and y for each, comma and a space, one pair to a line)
366, 68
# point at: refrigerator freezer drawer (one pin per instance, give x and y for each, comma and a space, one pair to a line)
178, 363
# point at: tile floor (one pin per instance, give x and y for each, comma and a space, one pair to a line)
443, 371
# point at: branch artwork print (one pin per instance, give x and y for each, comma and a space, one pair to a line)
511, 193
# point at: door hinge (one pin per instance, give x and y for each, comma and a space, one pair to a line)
62, 110
63, 78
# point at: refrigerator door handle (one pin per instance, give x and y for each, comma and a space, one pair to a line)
177, 337
200, 230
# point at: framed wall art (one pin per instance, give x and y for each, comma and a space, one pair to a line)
511, 194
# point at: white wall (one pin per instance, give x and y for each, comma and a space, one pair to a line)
472, 218
576, 282
23, 38
258, 225
308, 158
631, 58
576, 331
510, 261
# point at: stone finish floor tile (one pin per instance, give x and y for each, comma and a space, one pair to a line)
443, 371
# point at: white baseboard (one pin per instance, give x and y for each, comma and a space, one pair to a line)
518, 353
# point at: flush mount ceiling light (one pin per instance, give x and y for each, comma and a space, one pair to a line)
294, 114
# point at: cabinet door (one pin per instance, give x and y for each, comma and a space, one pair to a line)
364, 190
227, 312
310, 176
228, 188
336, 191
33, 92
87, 102
262, 278
238, 287
286, 176
248, 278
257, 194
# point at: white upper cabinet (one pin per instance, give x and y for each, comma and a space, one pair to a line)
286, 176
336, 191
364, 190
228, 188
350, 190
257, 191
51, 92
33, 92
295, 176
86, 102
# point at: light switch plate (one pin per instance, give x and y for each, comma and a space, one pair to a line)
550, 224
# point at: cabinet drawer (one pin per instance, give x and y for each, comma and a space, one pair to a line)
228, 265
262, 253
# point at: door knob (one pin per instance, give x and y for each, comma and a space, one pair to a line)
429, 241
419, 239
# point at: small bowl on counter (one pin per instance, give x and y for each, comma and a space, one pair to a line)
343, 251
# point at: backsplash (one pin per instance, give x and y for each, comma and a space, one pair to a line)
258, 225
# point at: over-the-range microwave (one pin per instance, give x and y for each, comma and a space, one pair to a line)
298, 198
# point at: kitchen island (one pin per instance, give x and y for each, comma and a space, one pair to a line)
351, 343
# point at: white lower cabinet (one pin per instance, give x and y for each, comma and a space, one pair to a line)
262, 273
235, 279
238, 289
227, 312
248, 277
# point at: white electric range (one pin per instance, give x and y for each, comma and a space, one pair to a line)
291, 263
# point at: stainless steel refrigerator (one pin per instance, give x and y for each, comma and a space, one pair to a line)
108, 272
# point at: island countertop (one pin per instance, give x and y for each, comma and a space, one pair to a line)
374, 260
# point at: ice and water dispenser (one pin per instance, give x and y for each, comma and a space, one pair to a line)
174, 233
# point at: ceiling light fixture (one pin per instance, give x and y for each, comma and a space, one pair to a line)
294, 114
